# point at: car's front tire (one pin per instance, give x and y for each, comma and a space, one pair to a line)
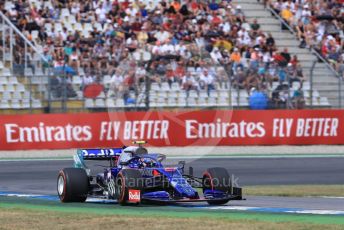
216, 179
72, 185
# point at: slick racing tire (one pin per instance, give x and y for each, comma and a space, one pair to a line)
128, 179
72, 185
216, 179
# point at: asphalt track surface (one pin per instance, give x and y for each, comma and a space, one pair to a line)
39, 177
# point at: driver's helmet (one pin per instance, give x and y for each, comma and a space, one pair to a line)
141, 150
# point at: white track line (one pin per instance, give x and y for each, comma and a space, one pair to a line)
233, 208
277, 210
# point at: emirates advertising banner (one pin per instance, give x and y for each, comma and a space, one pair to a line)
184, 128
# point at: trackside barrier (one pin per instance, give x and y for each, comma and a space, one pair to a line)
210, 128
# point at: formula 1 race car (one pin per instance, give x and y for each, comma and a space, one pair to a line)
136, 176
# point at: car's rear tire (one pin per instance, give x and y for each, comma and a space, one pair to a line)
128, 179
72, 185
216, 179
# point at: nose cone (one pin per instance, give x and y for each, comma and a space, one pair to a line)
182, 186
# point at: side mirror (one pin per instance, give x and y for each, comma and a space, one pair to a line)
181, 165
191, 171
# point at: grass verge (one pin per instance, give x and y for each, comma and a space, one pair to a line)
22, 218
295, 190
28, 213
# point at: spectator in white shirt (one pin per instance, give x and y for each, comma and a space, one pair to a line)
116, 83
75, 9
180, 48
131, 11
207, 81
189, 82
87, 79
162, 35
226, 27
305, 12
156, 49
167, 48
200, 41
101, 15
216, 56
140, 74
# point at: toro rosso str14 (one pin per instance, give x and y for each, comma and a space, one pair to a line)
136, 176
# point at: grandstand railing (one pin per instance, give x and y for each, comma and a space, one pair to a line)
12, 28
320, 59
293, 32
20, 75
334, 73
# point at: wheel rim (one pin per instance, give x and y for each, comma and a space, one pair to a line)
206, 183
120, 189
112, 187
60, 185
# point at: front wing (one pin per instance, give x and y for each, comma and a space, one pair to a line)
185, 200
236, 194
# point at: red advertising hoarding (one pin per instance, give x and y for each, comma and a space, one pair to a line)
214, 127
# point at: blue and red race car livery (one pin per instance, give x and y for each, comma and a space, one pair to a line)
136, 176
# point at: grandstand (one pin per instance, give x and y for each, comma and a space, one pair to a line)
97, 55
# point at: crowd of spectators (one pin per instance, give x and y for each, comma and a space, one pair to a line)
161, 41
319, 24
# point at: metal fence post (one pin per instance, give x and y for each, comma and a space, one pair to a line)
30, 90
147, 90
64, 90
25, 60
340, 92
289, 102
230, 101
3, 41
48, 75
311, 81
11, 47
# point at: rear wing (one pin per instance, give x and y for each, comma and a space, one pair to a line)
99, 154
94, 154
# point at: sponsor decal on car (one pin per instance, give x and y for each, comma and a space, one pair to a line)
147, 172
134, 196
